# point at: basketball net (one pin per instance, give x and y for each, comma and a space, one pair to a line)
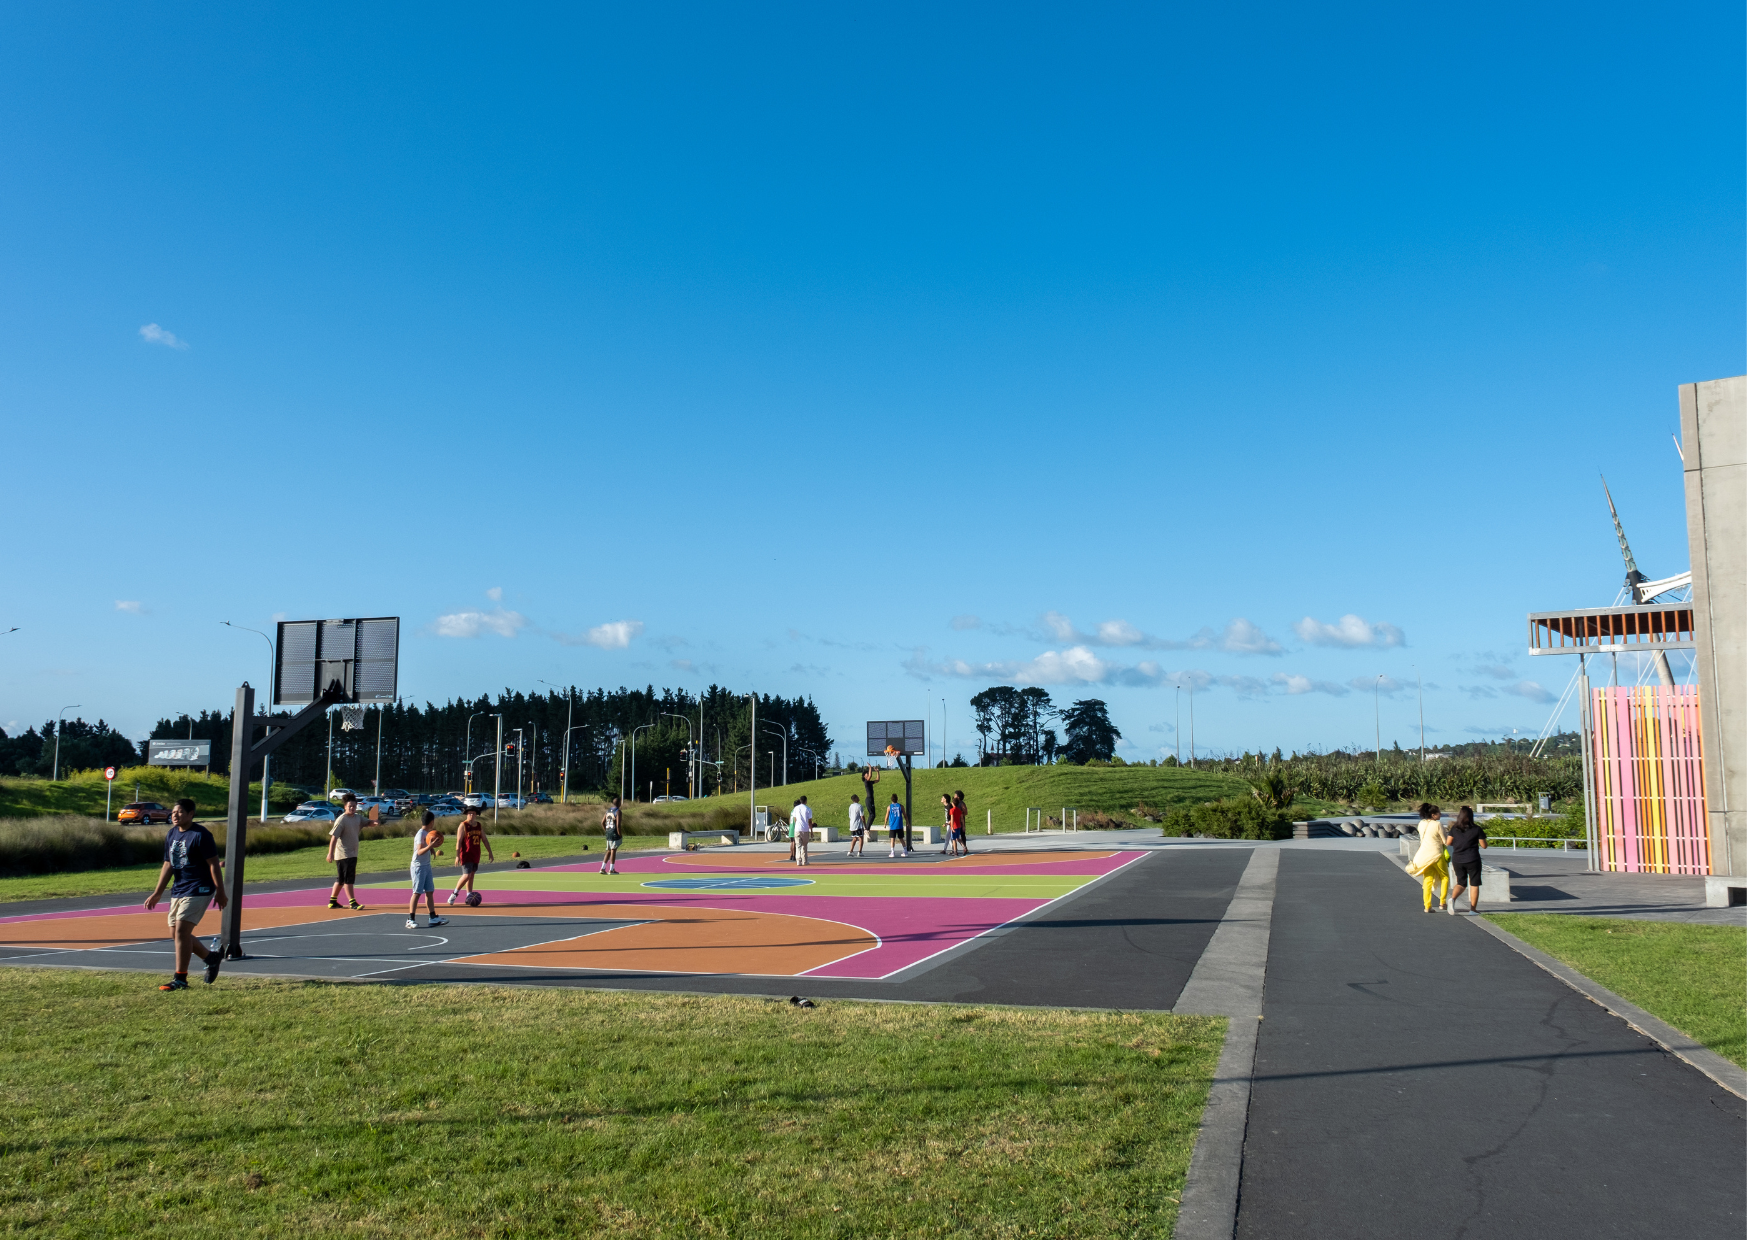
351, 718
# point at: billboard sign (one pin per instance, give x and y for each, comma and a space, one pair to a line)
178, 753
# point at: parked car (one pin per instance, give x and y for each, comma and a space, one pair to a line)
510, 800
143, 812
394, 794
447, 808
540, 798
659, 800
385, 808
480, 800
428, 798
340, 794
313, 811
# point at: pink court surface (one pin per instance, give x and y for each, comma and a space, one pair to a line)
719, 913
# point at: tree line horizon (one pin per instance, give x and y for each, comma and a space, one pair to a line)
427, 747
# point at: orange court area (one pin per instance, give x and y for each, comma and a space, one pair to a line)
694, 940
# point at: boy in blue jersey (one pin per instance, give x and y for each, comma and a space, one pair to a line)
191, 858
895, 828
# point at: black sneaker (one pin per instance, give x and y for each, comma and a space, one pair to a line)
353, 904
333, 904
174, 983
213, 961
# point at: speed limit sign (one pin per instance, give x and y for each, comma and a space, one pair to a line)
109, 773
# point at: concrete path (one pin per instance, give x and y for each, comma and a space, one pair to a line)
1416, 1077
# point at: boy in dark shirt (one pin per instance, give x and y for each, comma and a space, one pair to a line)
191, 858
1467, 841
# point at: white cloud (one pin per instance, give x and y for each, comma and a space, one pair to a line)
1243, 637
1496, 670
614, 635
961, 623
496, 594
132, 606
1074, 666
1350, 630
473, 623
1294, 685
1239, 636
151, 333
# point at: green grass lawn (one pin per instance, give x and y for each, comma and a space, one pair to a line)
1005, 792
299, 863
314, 1109
1691, 976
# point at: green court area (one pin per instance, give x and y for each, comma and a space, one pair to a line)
815, 880
1693, 976
295, 1108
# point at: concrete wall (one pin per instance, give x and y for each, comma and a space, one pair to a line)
1714, 447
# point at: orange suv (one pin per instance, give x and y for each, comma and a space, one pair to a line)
146, 812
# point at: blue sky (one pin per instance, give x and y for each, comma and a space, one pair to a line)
1272, 349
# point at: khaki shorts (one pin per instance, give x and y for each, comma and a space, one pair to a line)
189, 909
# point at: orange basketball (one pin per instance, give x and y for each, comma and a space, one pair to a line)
436, 839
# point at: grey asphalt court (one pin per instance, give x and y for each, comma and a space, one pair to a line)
1417, 1077
377, 945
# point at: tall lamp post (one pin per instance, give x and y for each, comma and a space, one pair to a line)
564, 794
467, 748
267, 762
770, 731
687, 720
1377, 723
60, 720
639, 728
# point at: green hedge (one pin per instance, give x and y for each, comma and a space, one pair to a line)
1238, 819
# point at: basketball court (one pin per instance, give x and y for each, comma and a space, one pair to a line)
730, 913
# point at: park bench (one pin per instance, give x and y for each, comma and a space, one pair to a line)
679, 839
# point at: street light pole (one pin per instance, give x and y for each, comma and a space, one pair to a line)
467, 748
1177, 721
498, 770
1420, 692
564, 795
267, 708
687, 720
520, 741
770, 731
60, 723
1377, 723
639, 728
1192, 725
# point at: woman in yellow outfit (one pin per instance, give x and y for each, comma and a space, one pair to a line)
1429, 864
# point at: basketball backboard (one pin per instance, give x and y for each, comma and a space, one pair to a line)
900, 735
362, 655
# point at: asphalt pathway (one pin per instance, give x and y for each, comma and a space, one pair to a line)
1416, 1077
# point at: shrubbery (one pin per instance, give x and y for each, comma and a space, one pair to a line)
1237, 819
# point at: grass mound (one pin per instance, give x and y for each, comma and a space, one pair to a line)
1691, 976
313, 1109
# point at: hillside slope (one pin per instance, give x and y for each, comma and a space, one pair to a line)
1000, 795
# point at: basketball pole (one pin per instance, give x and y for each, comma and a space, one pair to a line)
904, 765
244, 755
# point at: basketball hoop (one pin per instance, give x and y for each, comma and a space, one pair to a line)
351, 718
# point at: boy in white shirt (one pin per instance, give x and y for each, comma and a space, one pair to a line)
801, 827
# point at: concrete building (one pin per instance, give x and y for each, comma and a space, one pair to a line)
1714, 449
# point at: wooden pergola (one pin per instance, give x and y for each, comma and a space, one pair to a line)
1612, 630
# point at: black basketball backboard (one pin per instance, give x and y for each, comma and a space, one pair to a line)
901, 735
363, 656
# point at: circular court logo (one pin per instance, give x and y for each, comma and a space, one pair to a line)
728, 882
